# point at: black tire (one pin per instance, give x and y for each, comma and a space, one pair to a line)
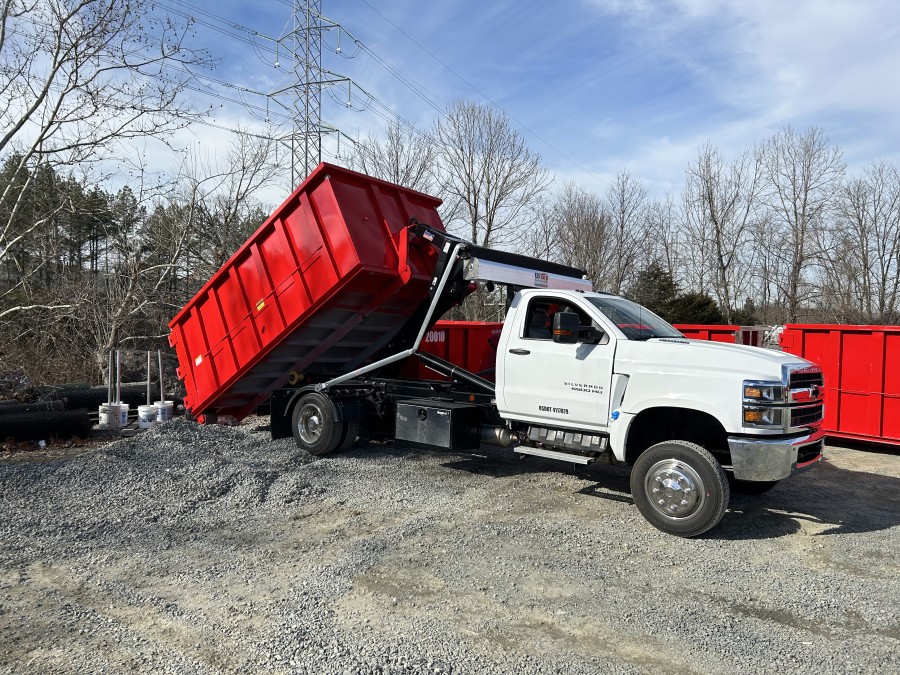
348, 436
680, 488
313, 424
752, 487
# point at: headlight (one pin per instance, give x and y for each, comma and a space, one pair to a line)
764, 418
763, 392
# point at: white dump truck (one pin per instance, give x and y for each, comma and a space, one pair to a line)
581, 377
318, 311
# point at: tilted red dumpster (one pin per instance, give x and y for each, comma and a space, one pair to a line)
861, 365
324, 283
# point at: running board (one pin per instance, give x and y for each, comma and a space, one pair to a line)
553, 454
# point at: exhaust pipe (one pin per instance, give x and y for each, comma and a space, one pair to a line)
496, 436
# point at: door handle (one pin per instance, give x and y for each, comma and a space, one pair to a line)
520, 352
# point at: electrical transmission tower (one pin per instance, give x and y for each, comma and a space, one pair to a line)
302, 45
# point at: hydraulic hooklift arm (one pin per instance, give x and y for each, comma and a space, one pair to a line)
476, 263
450, 250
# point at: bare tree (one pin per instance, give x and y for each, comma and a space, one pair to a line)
802, 172
862, 254
583, 233
721, 202
767, 265
77, 77
405, 156
541, 239
207, 219
491, 181
664, 246
222, 201
607, 236
626, 204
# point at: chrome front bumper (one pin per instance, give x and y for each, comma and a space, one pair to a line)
762, 459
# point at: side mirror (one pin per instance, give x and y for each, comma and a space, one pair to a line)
566, 327
568, 330
592, 335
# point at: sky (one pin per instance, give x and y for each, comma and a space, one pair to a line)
595, 86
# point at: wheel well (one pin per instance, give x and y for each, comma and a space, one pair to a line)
655, 425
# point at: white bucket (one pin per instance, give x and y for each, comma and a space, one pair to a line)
123, 415
109, 415
163, 410
146, 416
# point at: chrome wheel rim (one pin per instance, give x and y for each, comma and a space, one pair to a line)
309, 426
674, 489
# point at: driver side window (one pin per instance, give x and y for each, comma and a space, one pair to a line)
539, 318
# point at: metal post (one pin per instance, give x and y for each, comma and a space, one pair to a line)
118, 378
162, 391
149, 402
109, 377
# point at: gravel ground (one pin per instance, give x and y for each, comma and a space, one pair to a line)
211, 550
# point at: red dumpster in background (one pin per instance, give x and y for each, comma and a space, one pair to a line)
752, 336
861, 365
325, 283
469, 344
711, 333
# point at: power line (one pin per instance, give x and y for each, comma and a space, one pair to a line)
426, 96
358, 98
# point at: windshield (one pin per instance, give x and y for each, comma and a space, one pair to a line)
636, 322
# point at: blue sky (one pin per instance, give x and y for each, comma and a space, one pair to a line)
599, 86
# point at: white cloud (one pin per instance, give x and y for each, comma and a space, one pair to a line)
769, 63
790, 59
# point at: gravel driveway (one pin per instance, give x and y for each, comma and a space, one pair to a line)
211, 550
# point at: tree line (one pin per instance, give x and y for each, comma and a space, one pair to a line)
779, 233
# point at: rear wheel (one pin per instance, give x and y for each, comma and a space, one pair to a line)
348, 436
315, 429
680, 488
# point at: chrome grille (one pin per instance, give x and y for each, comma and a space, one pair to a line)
805, 378
806, 415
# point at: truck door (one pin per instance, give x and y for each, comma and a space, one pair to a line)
551, 383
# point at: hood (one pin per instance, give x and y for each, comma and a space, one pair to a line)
676, 355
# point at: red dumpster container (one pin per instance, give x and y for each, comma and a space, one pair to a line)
712, 333
861, 365
469, 344
323, 284
752, 336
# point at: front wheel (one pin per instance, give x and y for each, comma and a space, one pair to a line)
314, 426
680, 488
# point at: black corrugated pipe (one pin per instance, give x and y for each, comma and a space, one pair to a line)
35, 426
37, 406
91, 397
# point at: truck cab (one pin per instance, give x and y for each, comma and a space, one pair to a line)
688, 415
